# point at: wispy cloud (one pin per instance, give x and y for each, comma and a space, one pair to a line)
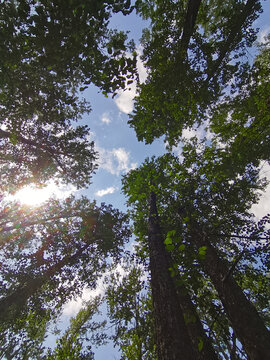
105, 118
72, 307
109, 190
115, 161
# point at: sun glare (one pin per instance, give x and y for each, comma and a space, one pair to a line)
34, 196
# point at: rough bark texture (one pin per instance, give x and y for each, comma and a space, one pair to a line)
195, 328
245, 320
173, 342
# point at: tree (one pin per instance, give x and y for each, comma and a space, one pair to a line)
49, 256
241, 122
51, 50
130, 311
189, 196
193, 53
71, 344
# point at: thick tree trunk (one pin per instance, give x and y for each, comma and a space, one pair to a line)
201, 343
245, 320
173, 342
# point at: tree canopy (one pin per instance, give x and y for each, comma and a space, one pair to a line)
196, 281
193, 52
44, 65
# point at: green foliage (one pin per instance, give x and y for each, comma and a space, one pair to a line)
203, 192
48, 256
130, 311
51, 50
242, 121
191, 57
82, 329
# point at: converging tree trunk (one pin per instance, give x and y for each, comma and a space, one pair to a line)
173, 342
245, 320
201, 343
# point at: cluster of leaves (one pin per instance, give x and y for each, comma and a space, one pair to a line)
242, 122
83, 330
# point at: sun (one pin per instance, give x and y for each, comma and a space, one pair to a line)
34, 196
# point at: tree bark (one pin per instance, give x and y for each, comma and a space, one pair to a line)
245, 320
173, 342
195, 327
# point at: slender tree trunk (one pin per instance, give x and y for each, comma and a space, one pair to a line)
245, 320
173, 342
201, 343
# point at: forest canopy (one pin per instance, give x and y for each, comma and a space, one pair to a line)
185, 269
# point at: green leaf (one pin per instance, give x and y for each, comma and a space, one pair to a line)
200, 344
182, 247
172, 272
13, 139
168, 241
170, 247
202, 250
171, 233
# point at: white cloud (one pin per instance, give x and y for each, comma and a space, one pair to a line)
115, 161
109, 190
262, 208
124, 100
74, 306
263, 33
189, 133
105, 118
140, 66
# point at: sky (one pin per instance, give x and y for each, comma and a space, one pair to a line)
119, 150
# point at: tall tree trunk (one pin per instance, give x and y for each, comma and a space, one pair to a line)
173, 342
201, 343
245, 320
